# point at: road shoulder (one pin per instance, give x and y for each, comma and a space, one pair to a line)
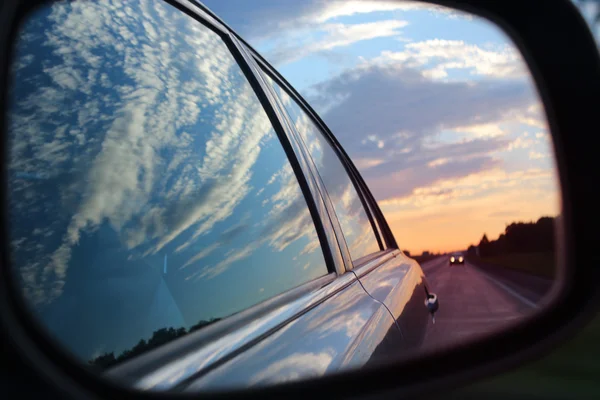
531, 287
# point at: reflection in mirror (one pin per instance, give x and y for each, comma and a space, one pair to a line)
149, 195
158, 228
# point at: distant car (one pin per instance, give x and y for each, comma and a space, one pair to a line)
457, 259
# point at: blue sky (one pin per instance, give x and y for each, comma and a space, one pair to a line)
436, 107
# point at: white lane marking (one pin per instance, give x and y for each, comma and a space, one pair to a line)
508, 289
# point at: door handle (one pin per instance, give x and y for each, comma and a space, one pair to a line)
432, 304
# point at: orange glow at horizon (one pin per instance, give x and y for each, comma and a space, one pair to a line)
426, 221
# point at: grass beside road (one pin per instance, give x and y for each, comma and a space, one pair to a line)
570, 371
540, 264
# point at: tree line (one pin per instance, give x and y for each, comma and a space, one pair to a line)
158, 338
520, 237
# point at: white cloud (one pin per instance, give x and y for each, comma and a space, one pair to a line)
283, 174
234, 255
295, 366
202, 254
66, 77
259, 21
364, 242
344, 34
438, 162
335, 9
289, 209
481, 130
336, 35
534, 116
535, 155
444, 55
375, 140
366, 163
311, 246
349, 323
23, 62
521, 143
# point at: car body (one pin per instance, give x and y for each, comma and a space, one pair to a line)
271, 317
456, 259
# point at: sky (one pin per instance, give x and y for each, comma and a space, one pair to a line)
436, 108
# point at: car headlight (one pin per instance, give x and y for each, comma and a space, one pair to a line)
460, 259
451, 259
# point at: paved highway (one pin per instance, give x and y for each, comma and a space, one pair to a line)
475, 301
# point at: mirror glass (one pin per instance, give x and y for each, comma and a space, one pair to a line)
169, 227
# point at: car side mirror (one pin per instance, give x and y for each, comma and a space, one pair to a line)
90, 237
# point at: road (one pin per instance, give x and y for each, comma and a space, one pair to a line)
475, 301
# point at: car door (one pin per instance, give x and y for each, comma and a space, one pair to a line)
166, 226
369, 247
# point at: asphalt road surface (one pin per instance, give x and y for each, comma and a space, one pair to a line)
476, 300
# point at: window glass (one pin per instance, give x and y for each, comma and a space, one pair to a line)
358, 231
149, 195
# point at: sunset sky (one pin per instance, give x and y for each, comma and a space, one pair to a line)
436, 108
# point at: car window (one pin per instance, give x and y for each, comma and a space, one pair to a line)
149, 195
356, 226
